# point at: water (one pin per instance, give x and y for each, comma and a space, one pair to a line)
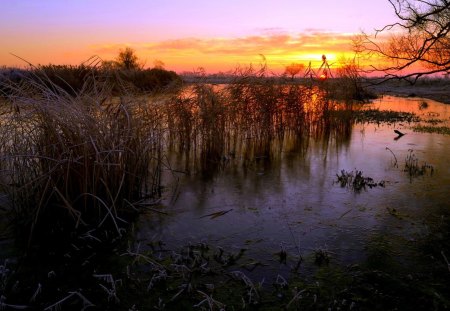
295, 203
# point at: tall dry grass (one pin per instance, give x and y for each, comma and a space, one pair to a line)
76, 164
252, 118
72, 164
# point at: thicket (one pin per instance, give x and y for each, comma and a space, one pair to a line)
72, 78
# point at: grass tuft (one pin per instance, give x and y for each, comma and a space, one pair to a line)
70, 163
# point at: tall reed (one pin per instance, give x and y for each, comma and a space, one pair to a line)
71, 164
254, 117
80, 162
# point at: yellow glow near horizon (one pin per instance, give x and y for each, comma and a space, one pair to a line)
185, 35
213, 54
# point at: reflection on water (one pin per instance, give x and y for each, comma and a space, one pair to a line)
292, 200
427, 110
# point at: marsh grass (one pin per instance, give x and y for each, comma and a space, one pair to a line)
414, 168
384, 116
432, 129
356, 181
252, 120
76, 163
84, 158
78, 166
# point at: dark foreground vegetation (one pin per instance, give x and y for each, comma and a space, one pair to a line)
81, 159
71, 79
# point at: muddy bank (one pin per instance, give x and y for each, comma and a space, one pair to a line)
438, 90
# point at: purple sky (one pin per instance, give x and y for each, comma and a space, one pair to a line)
59, 31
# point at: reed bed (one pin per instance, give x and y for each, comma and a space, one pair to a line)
78, 166
81, 159
252, 118
77, 163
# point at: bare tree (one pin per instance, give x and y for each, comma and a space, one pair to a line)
294, 68
128, 59
418, 44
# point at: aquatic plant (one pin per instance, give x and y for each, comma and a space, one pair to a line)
379, 116
321, 257
413, 168
432, 129
395, 164
251, 120
356, 181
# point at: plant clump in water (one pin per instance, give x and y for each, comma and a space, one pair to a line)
356, 181
432, 129
379, 116
414, 169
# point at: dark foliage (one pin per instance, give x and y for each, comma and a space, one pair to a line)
154, 79
71, 79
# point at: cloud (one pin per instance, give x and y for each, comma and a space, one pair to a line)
279, 48
278, 43
252, 45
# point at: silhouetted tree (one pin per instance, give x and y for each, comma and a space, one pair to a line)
293, 69
128, 59
158, 64
420, 40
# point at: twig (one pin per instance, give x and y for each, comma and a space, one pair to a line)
445, 258
396, 162
345, 213
217, 214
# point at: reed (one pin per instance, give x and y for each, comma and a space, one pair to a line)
252, 119
70, 164
196, 121
85, 157
414, 169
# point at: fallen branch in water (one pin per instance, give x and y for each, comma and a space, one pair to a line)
217, 214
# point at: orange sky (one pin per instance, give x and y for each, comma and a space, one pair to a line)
186, 35
223, 54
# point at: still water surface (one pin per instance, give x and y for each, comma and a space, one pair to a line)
295, 203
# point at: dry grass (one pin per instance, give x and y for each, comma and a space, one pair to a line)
253, 118
79, 160
83, 164
71, 163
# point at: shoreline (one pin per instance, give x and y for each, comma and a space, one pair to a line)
439, 91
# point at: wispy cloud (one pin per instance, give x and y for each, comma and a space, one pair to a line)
275, 46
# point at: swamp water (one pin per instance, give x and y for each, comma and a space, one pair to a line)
294, 202
270, 200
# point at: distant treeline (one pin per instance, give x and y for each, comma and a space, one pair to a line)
72, 78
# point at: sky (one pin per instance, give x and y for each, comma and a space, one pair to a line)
186, 35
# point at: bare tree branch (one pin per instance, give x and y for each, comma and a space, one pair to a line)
419, 41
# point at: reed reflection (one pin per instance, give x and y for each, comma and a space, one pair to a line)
252, 121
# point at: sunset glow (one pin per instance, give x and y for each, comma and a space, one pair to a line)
217, 36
